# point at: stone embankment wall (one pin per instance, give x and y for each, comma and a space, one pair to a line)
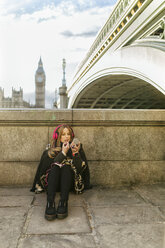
123, 147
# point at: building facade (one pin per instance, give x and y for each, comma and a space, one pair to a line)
16, 101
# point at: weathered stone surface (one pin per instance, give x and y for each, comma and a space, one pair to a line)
150, 192
11, 222
22, 143
40, 199
76, 222
162, 209
58, 241
126, 215
118, 115
32, 115
128, 236
123, 143
101, 217
15, 191
17, 173
107, 197
74, 200
13, 201
126, 172
108, 173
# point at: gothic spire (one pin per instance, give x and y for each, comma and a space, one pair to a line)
40, 64
40, 67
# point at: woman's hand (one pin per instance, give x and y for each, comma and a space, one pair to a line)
65, 148
75, 147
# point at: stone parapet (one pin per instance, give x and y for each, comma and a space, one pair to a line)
123, 147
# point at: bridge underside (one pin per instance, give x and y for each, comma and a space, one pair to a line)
120, 92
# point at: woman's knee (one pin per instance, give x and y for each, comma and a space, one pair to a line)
66, 168
55, 169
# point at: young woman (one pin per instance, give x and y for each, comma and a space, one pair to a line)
63, 167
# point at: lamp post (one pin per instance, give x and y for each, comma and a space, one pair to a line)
63, 89
63, 67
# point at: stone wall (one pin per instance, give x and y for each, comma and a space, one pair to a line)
123, 147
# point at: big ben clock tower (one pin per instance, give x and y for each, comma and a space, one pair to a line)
40, 86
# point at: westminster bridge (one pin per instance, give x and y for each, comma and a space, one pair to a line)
124, 147
123, 72
124, 68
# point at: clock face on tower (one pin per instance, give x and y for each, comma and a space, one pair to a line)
39, 79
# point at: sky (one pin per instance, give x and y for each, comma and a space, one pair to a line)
52, 29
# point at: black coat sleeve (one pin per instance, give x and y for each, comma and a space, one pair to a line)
78, 161
60, 157
44, 164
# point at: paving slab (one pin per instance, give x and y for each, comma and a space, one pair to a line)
74, 200
162, 210
154, 194
108, 197
99, 218
132, 236
11, 223
76, 222
12, 190
15, 201
57, 241
127, 215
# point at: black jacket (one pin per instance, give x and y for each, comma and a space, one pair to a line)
46, 161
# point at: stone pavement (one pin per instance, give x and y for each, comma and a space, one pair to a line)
99, 218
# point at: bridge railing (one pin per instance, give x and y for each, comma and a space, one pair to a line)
124, 12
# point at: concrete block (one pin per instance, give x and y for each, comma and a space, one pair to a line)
122, 142
120, 115
22, 143
17, 173
126, 215
57, 241
151, 195
15, 191
76, 222
122, 147
107, 173
35, 115
11, 222
100, 217
126, 172
140, 236
110, 197
74, 200
13, 201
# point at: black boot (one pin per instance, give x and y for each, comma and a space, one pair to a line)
50, 211
62, 210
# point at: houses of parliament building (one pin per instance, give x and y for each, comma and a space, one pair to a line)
16, 101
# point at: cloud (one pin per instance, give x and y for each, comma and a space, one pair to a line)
18, 8
70, 34
46, 19
43, 31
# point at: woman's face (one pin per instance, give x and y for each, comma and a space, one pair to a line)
65, 136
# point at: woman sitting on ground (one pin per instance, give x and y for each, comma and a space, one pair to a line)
63, 167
